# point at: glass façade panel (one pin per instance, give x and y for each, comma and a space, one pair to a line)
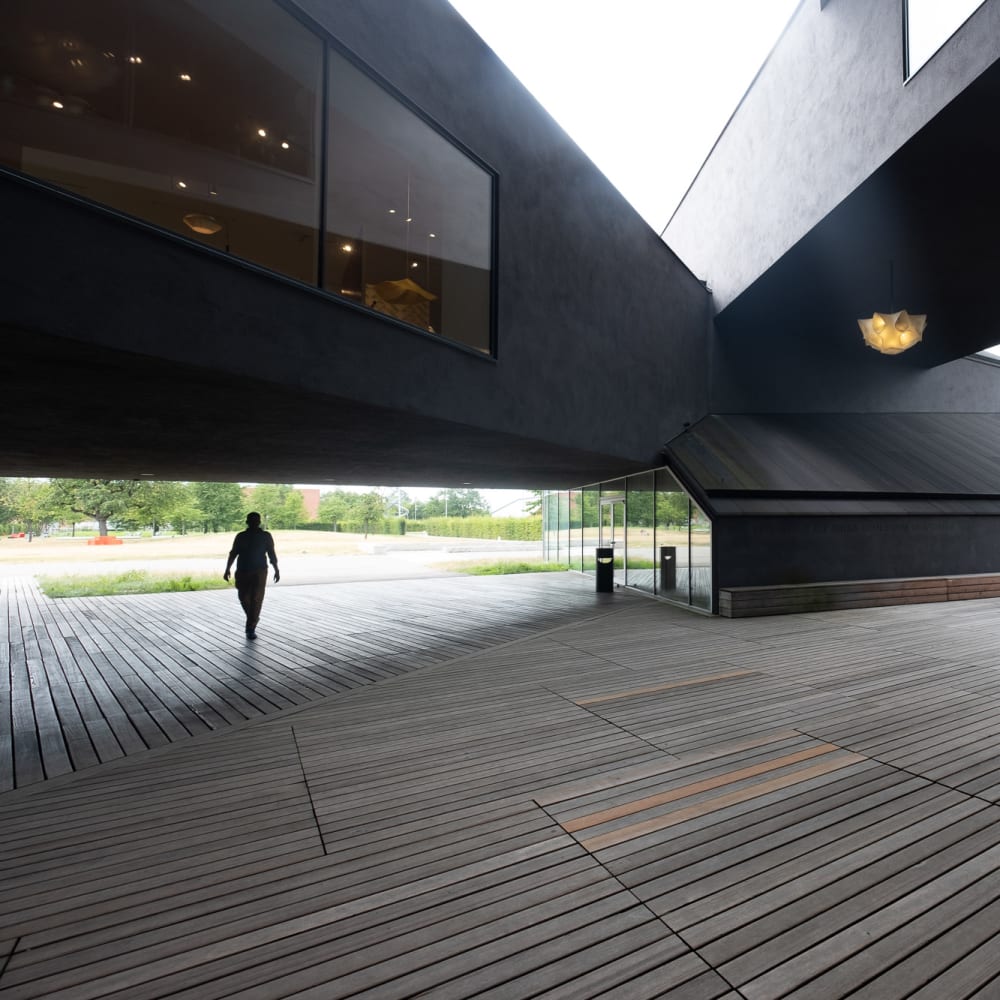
200, 116
409, 216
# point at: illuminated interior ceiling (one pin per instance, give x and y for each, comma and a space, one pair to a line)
933, 210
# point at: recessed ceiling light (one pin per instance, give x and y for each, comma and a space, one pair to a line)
262, 132
284, 145
414, 264
409, 220
433, 236
392, 211
58, 104
186, 77
135, 60
347, 247
201, 223
181, 184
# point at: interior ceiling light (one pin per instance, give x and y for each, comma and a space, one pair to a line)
893, 333
186, 77
284, 145
203, 224
262, 132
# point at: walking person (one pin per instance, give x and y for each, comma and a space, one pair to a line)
252, 550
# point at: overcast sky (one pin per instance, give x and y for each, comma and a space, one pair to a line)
644, 87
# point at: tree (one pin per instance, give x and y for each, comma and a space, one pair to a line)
534, 506
335, 506
7, 504
156, 503
279, 505
370, 509
101, 499
456, 503
671, 508
221, 504
31, 503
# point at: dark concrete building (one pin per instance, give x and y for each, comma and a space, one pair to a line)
330, 240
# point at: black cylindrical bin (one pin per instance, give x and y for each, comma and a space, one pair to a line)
605, 571
668, 567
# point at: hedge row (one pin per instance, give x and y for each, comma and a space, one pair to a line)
516, 529
384, 526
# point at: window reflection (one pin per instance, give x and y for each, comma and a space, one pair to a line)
204, 117
672, 515
640, 542
662, 540
701, 558
407, 214
133, 103
575, 530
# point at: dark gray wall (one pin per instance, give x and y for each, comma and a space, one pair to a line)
602, 331
760, 551
828, 107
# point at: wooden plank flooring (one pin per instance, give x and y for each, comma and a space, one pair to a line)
86, 681
574, 796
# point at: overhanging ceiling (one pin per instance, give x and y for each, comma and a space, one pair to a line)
932, 213
74, 410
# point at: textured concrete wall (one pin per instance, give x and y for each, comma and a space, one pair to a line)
602, 335
758, 551
827, 109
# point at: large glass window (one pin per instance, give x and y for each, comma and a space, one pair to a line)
662, 540
929, 24
672, 515
408, 215
205, 117
576, 529
700, 561
201, 116
640, 542
591, 525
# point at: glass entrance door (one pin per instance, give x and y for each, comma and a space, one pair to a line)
613, 533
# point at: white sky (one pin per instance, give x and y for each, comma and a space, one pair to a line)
644, 87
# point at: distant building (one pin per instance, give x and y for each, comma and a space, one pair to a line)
310, 497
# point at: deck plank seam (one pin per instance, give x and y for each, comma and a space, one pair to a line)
642, 904
913, 774
610, 722
9, 956
305, 781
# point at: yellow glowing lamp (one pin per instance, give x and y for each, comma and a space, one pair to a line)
893, 333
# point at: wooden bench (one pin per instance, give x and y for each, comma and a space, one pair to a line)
788, 599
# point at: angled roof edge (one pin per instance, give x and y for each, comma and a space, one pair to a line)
849, 458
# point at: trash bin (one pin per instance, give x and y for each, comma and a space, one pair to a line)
668, 567
605, 570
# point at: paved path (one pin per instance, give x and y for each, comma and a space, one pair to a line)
631, 802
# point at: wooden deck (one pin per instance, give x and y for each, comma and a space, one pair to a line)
623, 800
94, 679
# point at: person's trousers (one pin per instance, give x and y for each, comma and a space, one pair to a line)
250, 584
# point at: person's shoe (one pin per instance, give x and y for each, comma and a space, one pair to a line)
251, 634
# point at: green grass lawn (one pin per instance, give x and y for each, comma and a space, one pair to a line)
502, 568
132, 582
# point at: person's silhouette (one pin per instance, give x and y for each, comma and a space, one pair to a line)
252, 549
